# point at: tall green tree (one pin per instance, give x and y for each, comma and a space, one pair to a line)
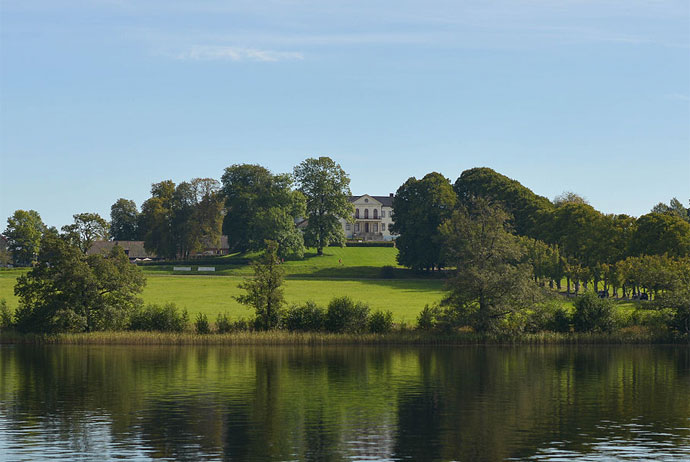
674, 207
208, 213
661, 233
490, 282
87, 228
326, 187
24, 231
156, 219
184, 218
527, 209
264, 291
261, 206
124, 221
577, 228
68, 291
420, 207
182, 226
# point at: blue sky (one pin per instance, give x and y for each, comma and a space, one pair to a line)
98, 99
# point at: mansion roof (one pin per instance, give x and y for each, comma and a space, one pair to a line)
386, 201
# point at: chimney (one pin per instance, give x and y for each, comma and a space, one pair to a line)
391, 195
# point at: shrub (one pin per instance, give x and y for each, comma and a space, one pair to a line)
427, 318
166, 318
561, 320
6, 321
593, 314
388, 272
381, 322
243, 324
307, 317
223, 324
201, 324
344, 315
677, 302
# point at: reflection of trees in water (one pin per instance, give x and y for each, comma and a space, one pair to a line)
333, 403
495, 403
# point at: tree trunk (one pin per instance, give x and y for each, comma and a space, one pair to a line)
567, 286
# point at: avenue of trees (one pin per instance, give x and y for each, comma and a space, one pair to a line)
565, 239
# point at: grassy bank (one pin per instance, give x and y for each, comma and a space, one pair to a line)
625, 336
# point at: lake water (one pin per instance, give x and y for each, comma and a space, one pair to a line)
344, 403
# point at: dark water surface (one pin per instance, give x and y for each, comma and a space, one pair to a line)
344, 403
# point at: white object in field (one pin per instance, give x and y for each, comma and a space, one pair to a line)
207, 268
182, 268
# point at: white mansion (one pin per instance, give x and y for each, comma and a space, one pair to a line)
373, 218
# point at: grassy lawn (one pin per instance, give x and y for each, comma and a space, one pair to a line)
352, 271
338, 262
213, 295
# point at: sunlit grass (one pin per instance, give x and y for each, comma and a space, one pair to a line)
213, 295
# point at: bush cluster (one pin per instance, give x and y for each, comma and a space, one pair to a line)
342, 315
308, 317
593, 314
164, 318
201, 324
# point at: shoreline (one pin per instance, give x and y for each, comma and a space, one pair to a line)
278, 338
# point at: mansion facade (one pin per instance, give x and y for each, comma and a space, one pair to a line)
373, 218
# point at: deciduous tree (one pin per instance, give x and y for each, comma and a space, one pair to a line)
660, 233
527, 209
24, 231
262, 206
124, 221
326, 187
264, 291
87, 228
490, 282
420, 207
69, 291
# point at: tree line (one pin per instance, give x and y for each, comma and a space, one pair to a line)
501, 243
249, 205
565, 239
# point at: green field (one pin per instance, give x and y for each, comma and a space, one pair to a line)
337, 262
352, 271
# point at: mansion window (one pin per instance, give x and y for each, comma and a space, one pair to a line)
356, 227
383, 214
376, 228
376, 214
356, 213
366, 213
383, 226
347, 226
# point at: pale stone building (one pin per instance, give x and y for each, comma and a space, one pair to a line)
373, 218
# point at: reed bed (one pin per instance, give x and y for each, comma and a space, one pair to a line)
628, 336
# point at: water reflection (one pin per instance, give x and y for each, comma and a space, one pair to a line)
344, 403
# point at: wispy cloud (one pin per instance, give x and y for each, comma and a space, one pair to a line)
678, 97
229, 53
